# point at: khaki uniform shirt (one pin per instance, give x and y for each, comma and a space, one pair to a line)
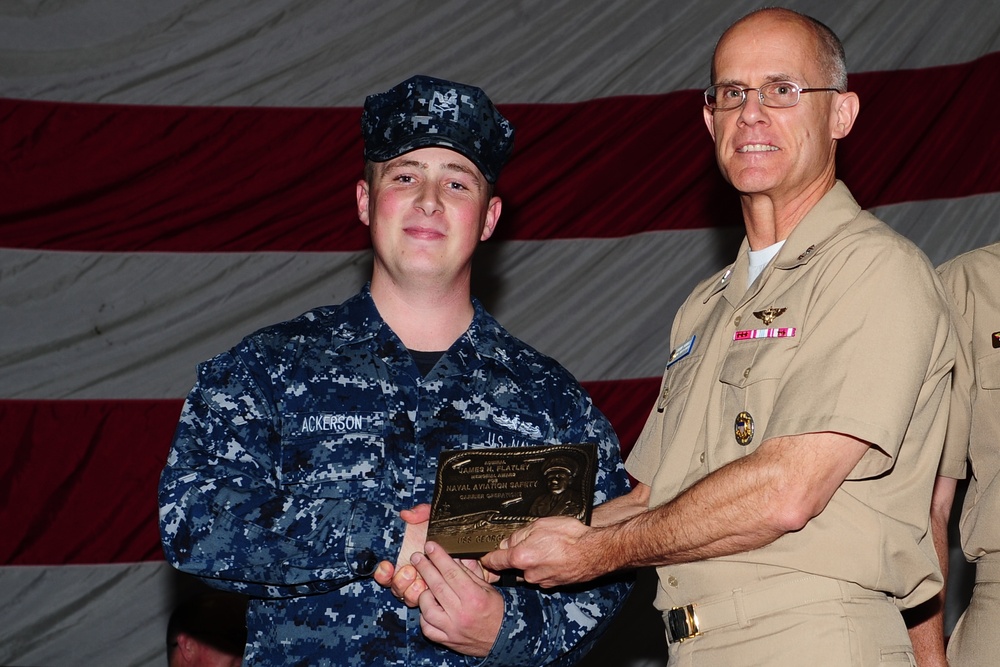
972, 281
848, 331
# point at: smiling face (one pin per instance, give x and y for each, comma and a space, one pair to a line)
786, 154
427, 211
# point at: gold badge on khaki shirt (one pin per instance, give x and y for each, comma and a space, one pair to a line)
768, 315
743, 428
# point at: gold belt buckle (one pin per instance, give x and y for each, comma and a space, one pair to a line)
683, 623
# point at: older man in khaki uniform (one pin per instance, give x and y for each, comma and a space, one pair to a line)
972, 281
785, 473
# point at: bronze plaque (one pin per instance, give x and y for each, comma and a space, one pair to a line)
483, 495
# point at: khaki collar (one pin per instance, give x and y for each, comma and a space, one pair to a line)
823, 223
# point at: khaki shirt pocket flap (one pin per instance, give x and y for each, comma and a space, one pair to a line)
988, 369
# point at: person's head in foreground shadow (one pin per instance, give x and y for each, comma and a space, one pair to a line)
209, 630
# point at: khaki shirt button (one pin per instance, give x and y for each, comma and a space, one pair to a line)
738, 320
672, 581
746, 372
702, 457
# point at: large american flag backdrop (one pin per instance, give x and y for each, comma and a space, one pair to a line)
174, 175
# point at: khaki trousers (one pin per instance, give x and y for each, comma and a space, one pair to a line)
974, 640
799, 621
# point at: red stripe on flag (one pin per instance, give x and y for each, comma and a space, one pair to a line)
78, 479
133, 178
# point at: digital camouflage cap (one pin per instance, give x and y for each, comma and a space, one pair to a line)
423, 111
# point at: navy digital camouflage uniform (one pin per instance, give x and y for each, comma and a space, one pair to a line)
297, 449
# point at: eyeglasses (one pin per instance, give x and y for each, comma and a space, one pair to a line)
777, 94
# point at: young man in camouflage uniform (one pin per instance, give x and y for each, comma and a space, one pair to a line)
298, 449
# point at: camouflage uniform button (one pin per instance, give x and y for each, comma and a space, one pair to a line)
367, 562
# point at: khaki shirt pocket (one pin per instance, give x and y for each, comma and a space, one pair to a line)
750, 377
988, 371
675, 389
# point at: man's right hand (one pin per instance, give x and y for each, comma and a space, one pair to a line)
402, 577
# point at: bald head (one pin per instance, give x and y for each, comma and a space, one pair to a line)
828, 49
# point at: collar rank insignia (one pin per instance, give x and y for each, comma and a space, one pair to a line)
996, 339
768, 315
